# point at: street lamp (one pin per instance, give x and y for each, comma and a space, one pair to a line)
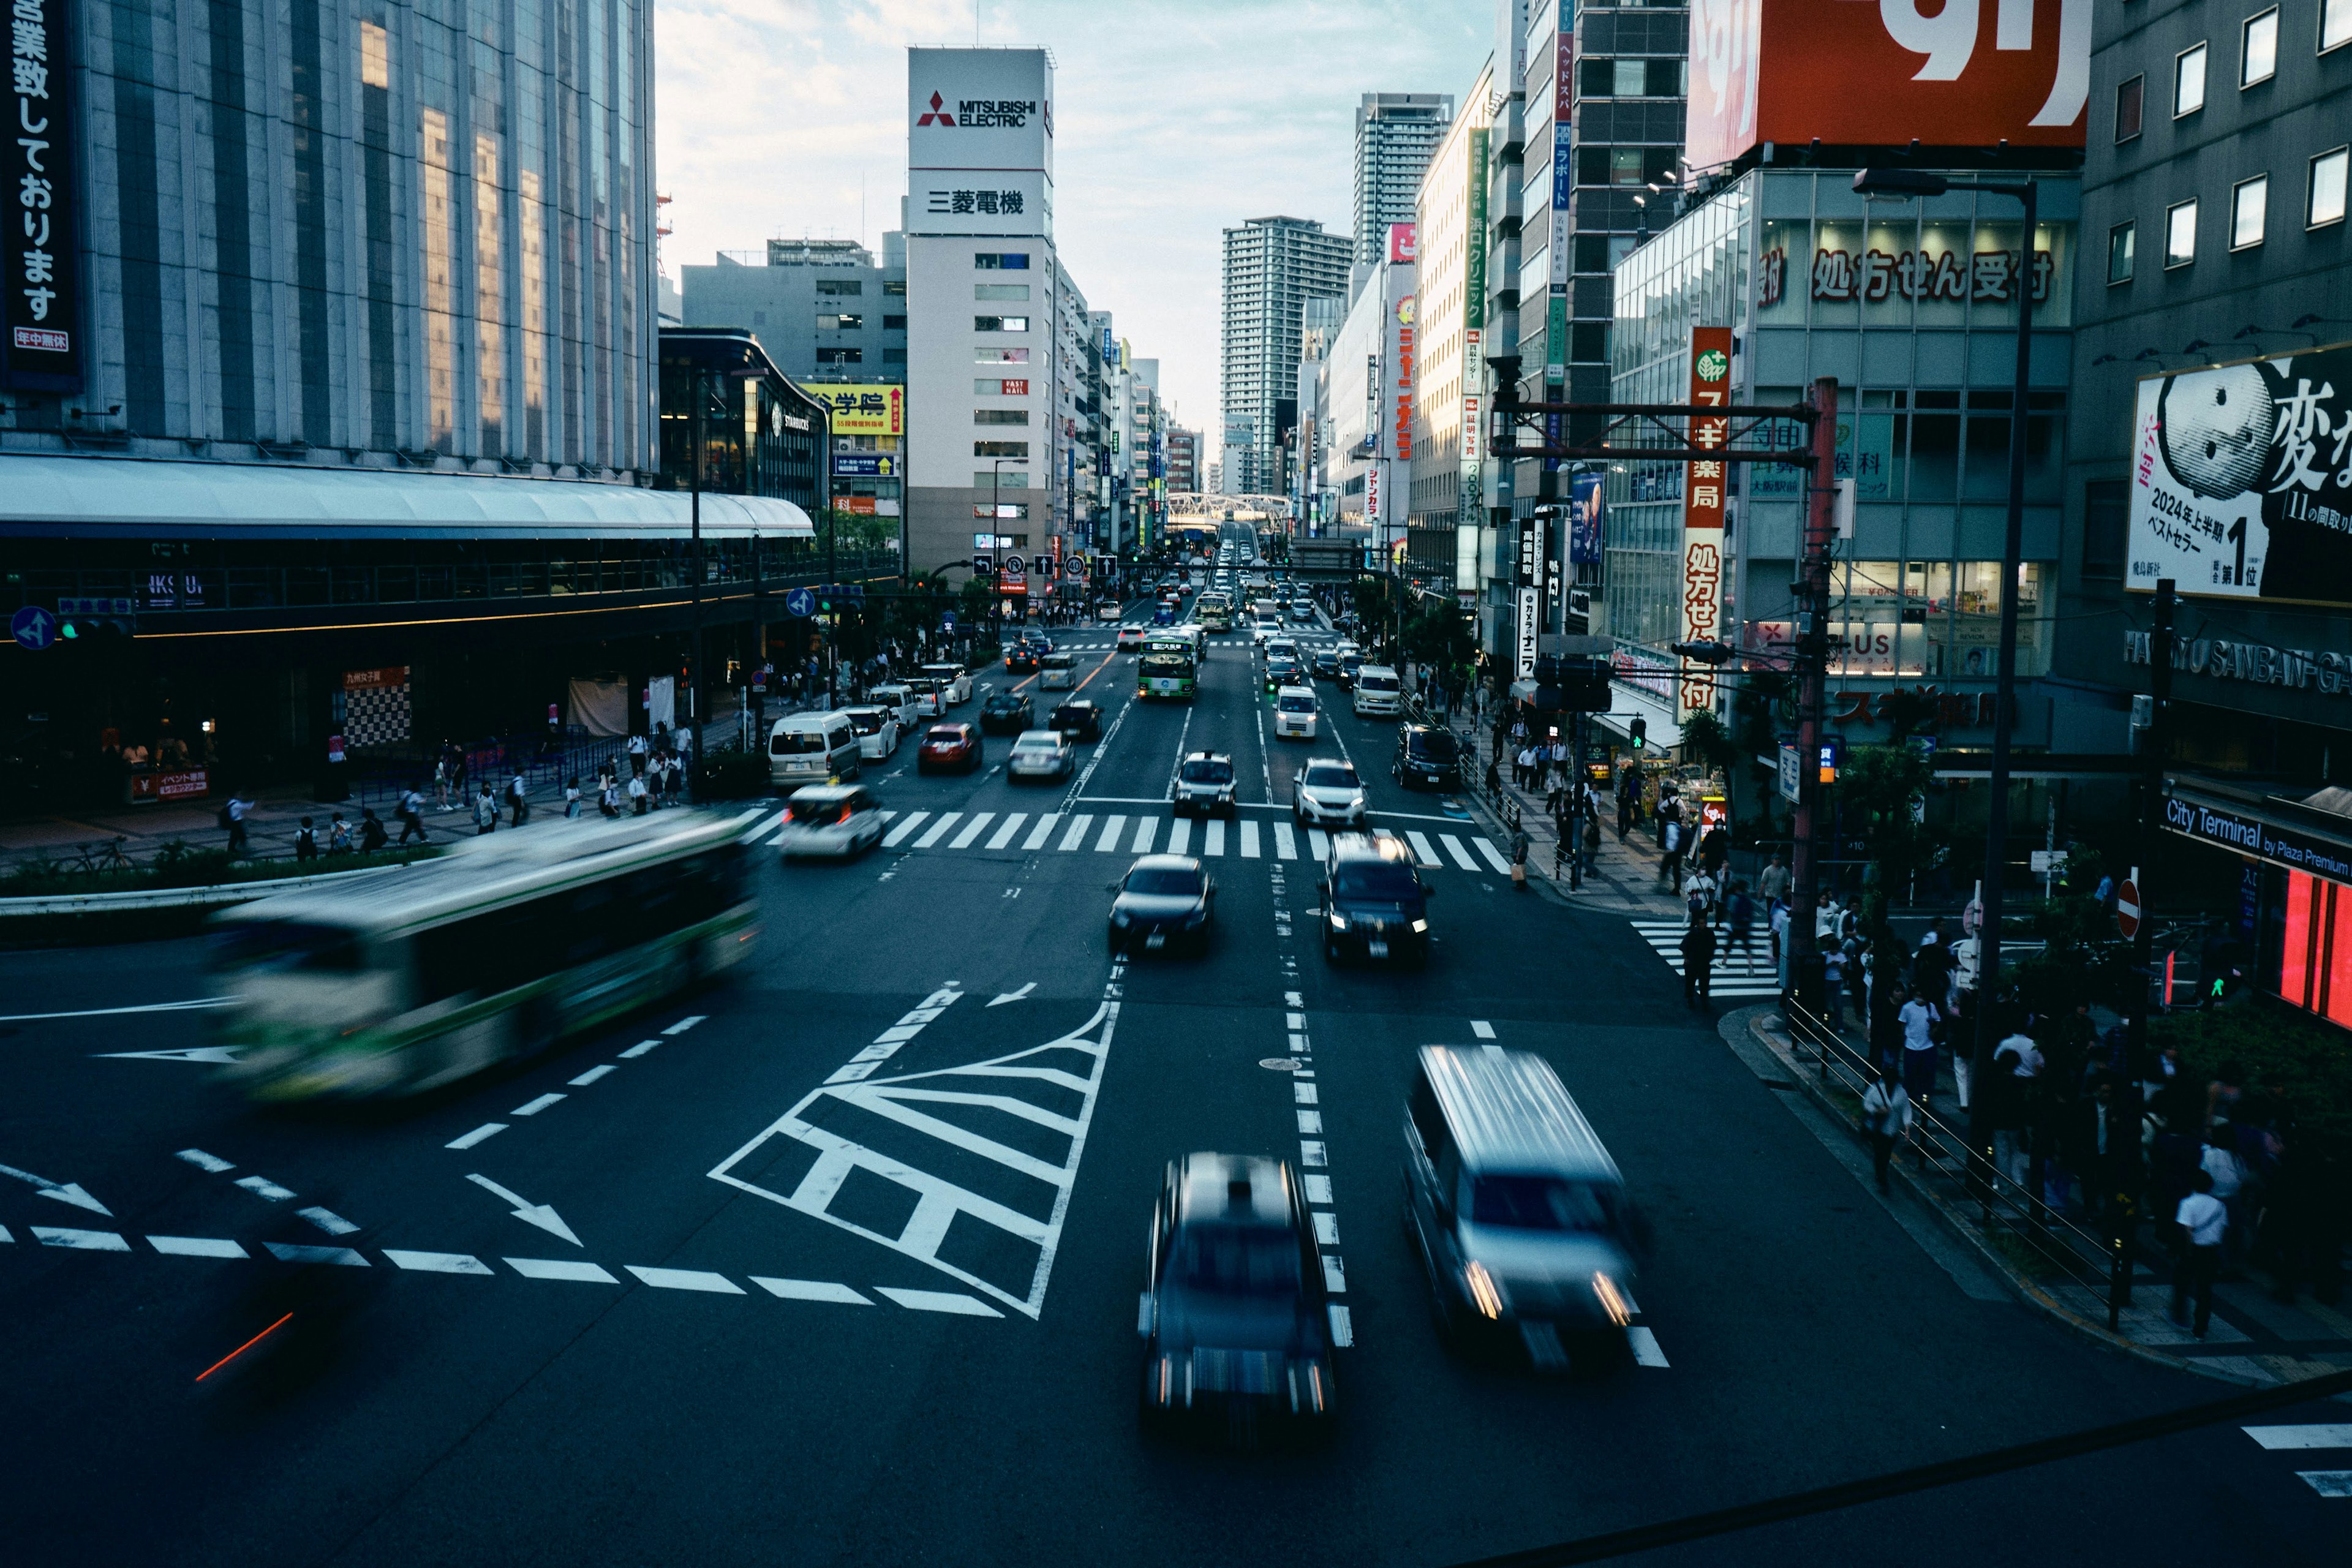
1905, 183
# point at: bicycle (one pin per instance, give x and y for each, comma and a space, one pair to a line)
97, 862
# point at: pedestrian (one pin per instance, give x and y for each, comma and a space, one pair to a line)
608, 796
1773, 884
486, 810
232, 818
1698, 963
305, 841
1833, 988
2226, 1180
2203, 1224
571, 797
1715, 854
1777, 922
372, 835
1885, 1118
1628, 798
638, 755
518, 799
1592, 834
339, 836
2009, 1098
1670, 865
638, 803
1520, 844
1920, 1026
412, 815
1698, 895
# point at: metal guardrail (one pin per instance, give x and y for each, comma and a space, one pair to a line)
172, 898
2005, 1211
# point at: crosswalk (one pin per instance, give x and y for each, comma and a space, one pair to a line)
1737, 972
2329, 1435
1146, 833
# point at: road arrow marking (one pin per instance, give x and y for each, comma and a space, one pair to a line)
1014, 995
191, 1054
64, 1192
530, 1212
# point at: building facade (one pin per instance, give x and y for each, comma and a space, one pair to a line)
1272, 266
1183, 460
1450, 311
1396, 134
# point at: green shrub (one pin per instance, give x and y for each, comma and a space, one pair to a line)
2271, 1041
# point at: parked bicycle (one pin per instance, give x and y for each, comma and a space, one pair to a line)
96, 860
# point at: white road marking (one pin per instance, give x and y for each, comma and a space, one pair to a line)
1180, 836
1293, 1020
196, 1247
1423, 848
1286, 841
1494, 856
202, 1161
685, 1279
1327, 1228
1043, 831
683, 1025
810, 1290
768, 826
1461, 856
1482, 1029
1312, 1154
1318, 844
1012, 825
262, 1186
2331, 1434
1645, 1347
114, 1012
938, 830
63, 1192
1145, 828
1303, 1093
287, 1252
1077, 833
540, 1214
973, 830
939, 1302
591, 1075
327, 1220
1343, 1327
640, 1048
81, 1240
1335, 1274
536, 1106
898, 832
1737, 972
438, 1262
560, 1269
489, 1128
2328, 1483
1310, 1122
1212, 838
222, 1054
1249, 840
1293, 999
1112, 827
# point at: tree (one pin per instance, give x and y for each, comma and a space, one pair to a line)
1883, 789
1709, 739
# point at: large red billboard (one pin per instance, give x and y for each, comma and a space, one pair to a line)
1883, 72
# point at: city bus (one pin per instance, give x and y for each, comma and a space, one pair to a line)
1169, 666
399, 981
1215, 612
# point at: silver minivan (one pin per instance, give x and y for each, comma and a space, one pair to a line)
1519, 1215
811, 748
1056, 672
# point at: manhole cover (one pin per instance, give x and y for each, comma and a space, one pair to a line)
1281, 1064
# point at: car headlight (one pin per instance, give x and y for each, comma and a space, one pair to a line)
1613, 1299
1485, 1293
1338, 920
1421, 925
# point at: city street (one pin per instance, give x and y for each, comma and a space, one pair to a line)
650, 1299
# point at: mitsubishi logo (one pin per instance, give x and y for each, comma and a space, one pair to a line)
938, 115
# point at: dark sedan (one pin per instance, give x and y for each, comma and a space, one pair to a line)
1235, 1318
1162, 899
948, 746
1373, 899
1080, 720
1427, 758
1021, 658
1007, 713
1326, 665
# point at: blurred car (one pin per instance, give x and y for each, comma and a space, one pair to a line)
1294, 712
830, 819
1374, 902
1302, 610
1328, 795
878, 732
1427, 758
1020, 658
929, 696
1326, 665
1235, 1315
1281, 671
1163, 898
1107, 610
955, 682
1040, 755
1007, 713
1204, 785
1080, 720
1130, 640
947, 746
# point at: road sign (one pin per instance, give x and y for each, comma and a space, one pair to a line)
1791, 772
1075, 566
800, 602
1014, 564
33, 627
982, 563
2127, 906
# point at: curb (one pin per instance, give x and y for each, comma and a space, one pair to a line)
2024, 1289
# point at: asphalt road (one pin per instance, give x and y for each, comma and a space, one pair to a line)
960, 1393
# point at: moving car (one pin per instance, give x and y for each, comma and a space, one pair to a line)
811, 748
1281, 647
899, 699
1379, 691
1294, 712
1163, 898
955, 682
1302, 610
1281, 671
948, 746
830, 819
1326, 665
1130, 640
1107, 610
1020, 658
1056, 672
1040, 755
1520, 1217
1080, 720
1233, 1317
878, 732
1373, 899
929, 696
1351, 659
1427, 758
1328, 795
1204, 785
1007, 713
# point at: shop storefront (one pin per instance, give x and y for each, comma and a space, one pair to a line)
2289, 928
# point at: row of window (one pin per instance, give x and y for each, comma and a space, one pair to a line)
1001, 260
1000, 415
857, 356
2250, 200
1632, 79
1633, 166
2258, 40
842, 321
1000, 323
1000, 449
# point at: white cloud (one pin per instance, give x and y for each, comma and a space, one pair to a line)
1173, 121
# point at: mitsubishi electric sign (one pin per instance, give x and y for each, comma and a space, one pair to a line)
973, 110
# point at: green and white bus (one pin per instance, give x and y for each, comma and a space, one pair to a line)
401, 980
1170, 667
1215, 612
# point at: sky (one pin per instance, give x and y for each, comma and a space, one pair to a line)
1173, 121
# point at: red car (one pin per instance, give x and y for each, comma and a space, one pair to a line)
948, 746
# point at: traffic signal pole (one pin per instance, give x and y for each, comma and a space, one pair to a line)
1812, 674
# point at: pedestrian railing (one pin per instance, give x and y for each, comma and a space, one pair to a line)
2012, 1218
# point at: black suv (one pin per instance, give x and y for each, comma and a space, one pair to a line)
1204, 785
1007, 713
1373, 899
1427, 758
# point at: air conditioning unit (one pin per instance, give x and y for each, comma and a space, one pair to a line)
2143, 712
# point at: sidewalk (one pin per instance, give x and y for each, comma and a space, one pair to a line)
1624, 879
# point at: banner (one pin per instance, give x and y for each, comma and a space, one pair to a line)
865, 410
2242, 479
1585, 520
1703, 510
42, 259
375, 705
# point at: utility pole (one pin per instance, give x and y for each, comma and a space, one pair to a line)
694, 679
2151, 802
1812, 670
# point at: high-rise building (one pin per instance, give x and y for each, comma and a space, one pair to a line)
1183, 459
1449, 368
1395, 135
1272, 266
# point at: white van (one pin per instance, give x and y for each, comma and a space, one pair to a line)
811, 748
1377, 690
955, 683
898, 698
878, 732
1293, 714
1057, 672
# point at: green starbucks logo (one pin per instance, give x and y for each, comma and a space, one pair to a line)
1713, 365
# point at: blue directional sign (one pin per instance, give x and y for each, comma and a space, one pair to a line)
800, 602
34, 627
947, 620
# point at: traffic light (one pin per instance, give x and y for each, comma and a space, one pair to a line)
1640, 728
86, 619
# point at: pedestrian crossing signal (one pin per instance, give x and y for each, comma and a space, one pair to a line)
1640, 728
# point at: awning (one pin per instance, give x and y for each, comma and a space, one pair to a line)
2303, 833
45, 495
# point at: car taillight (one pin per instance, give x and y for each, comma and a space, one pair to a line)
844, 818
787, 814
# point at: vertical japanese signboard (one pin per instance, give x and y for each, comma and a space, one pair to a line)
1703, 509
1474, 332
1528, 576
43, 348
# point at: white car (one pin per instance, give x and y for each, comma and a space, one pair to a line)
878, 732
1293, 714
1107, 610
1379, 691
1328, 795
1130, 640
955, 682
1041, 754
830, 819
898, 699
1281, 647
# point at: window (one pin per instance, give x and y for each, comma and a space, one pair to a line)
838, 286
2188, 81
1002, 260
1000, 323
1592, 165
1596, 78
991, 386
1592, 253
1000, 449
2250, 203
999, 417
2335, 24
1667, 78
2107, 519
2325, 203
2258, 48
1017, 511
894, 323
1625, 166
840, 323
1587, 341
2180, 233
840, 356
894, 356
1000, 291
1003, 356
1629, 79
895, 288
2119, 252
2128, 102
1000, 480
